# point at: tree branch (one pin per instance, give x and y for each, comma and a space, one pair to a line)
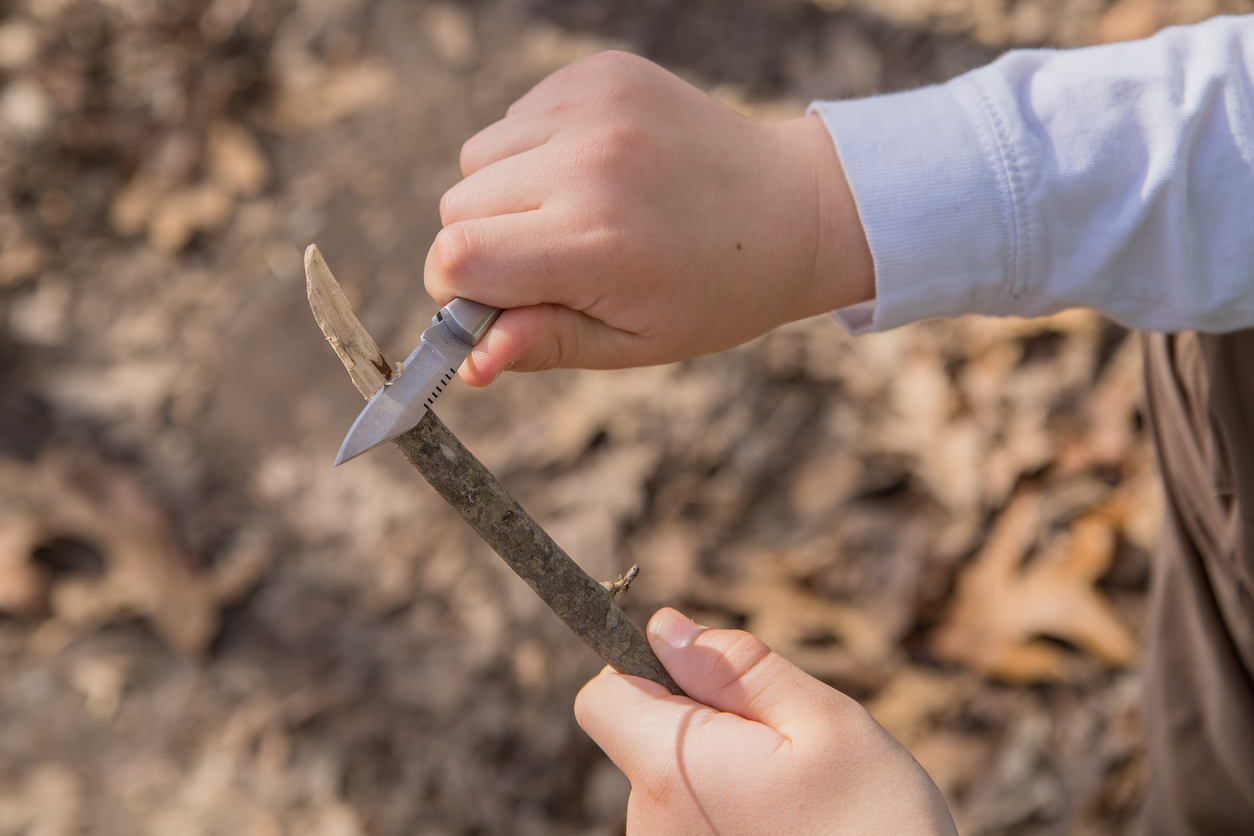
586, 606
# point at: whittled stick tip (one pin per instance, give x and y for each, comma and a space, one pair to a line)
357, 350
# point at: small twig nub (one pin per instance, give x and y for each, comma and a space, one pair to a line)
616, 588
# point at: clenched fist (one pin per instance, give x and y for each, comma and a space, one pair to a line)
623, 218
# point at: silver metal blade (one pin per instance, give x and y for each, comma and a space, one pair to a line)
397, 408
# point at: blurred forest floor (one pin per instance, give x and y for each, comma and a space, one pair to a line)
206, 630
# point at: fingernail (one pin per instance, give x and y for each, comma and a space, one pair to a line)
675, 629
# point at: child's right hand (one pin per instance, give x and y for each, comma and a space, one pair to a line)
623, 218
759, 747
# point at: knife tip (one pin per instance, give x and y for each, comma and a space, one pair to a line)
344, 455
354, 446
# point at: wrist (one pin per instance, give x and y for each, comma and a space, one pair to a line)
837, 268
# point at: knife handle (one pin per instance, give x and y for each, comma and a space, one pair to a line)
468, 320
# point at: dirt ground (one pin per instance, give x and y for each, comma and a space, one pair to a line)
204, 629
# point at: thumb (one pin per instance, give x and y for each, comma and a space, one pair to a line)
733, 671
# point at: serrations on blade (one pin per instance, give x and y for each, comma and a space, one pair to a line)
397, 408
439, 387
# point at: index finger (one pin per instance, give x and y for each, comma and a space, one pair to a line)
506, 137
556, 100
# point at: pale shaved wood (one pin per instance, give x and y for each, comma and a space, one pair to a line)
358, 351
586, 606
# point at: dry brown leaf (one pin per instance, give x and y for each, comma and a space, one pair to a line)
20, 42
313, 94
825, 638
923, 424
146, 573
672, 553
101, 680
1110, 410
1002, 609
588, 507
450, 31
823, 481
49, 802
27, 112
235, 160
21, 260
42, 316
1129, 20
181, 214
952, 760
913, 706
134, 204
23, 585
914, 697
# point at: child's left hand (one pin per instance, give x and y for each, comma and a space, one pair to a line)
760, 748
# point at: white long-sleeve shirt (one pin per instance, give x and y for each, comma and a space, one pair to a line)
1118, 177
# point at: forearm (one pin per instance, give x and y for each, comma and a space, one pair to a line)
1119, 178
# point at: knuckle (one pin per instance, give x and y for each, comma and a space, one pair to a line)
448, 208
601, 77
620, 141
746, 652
550, 354
565, 348
609, 151
613, 61
742, 656
468, 155
451, 252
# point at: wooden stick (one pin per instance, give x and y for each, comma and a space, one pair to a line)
585, 605
358, 351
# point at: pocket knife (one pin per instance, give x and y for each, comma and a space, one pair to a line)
399, 405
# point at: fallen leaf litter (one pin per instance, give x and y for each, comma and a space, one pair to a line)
360, 669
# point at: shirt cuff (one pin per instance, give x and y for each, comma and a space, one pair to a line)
933, 183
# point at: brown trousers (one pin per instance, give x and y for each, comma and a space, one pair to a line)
1199, 675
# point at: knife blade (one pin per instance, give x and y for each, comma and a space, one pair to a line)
399, 405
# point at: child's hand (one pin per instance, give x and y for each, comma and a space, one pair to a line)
761, 748
626, 218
